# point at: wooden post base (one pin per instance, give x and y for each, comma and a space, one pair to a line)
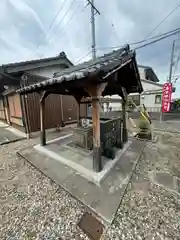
97, 165
78, 114
125, 135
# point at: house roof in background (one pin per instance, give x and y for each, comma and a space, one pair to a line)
149, 72
26, 65
151, 82
143, 66
157, 84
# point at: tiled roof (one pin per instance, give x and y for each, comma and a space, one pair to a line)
62, 55
100, 67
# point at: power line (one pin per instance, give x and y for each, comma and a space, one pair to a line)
62, 19
157, 40
73, 14
82, 58
145, 39
57, 14
67, 23
142, 41
160, 35
171, 33
112, 24
53, 21
164, 19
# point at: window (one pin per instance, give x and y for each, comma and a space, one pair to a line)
158, 99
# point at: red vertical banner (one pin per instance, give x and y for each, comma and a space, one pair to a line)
166, 97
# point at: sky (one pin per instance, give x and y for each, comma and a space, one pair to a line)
25, 31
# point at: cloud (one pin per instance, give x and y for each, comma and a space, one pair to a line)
24, 32
24, 13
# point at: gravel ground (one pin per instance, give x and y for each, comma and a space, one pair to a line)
33, 207
147, 210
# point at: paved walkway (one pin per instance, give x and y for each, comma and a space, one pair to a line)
8, 134
168, 125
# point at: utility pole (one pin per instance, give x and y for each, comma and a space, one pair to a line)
172, 62
170, 76
93, 12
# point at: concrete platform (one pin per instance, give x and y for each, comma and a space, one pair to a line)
65, 151
103, 199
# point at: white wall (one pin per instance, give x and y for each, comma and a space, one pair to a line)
46, 71
141, 73
148, 100
115, 106
150, 86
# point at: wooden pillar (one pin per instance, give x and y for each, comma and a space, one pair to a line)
78, 114
120, 136
97, 165
78, 100
95, 91
62, 113
25, 115
124, 128
43, 131
7, 111
42, 118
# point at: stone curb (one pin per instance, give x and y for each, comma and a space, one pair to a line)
12, 141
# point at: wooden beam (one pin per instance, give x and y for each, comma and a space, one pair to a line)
25, 118
7, 110
43, 96
95, 91
43, 132
102, 100
62, 112
5, 117
86, 102
124, 128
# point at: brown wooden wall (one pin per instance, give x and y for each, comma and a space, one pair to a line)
15, 112
52, 111
69, 106
57, 109
2, 110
